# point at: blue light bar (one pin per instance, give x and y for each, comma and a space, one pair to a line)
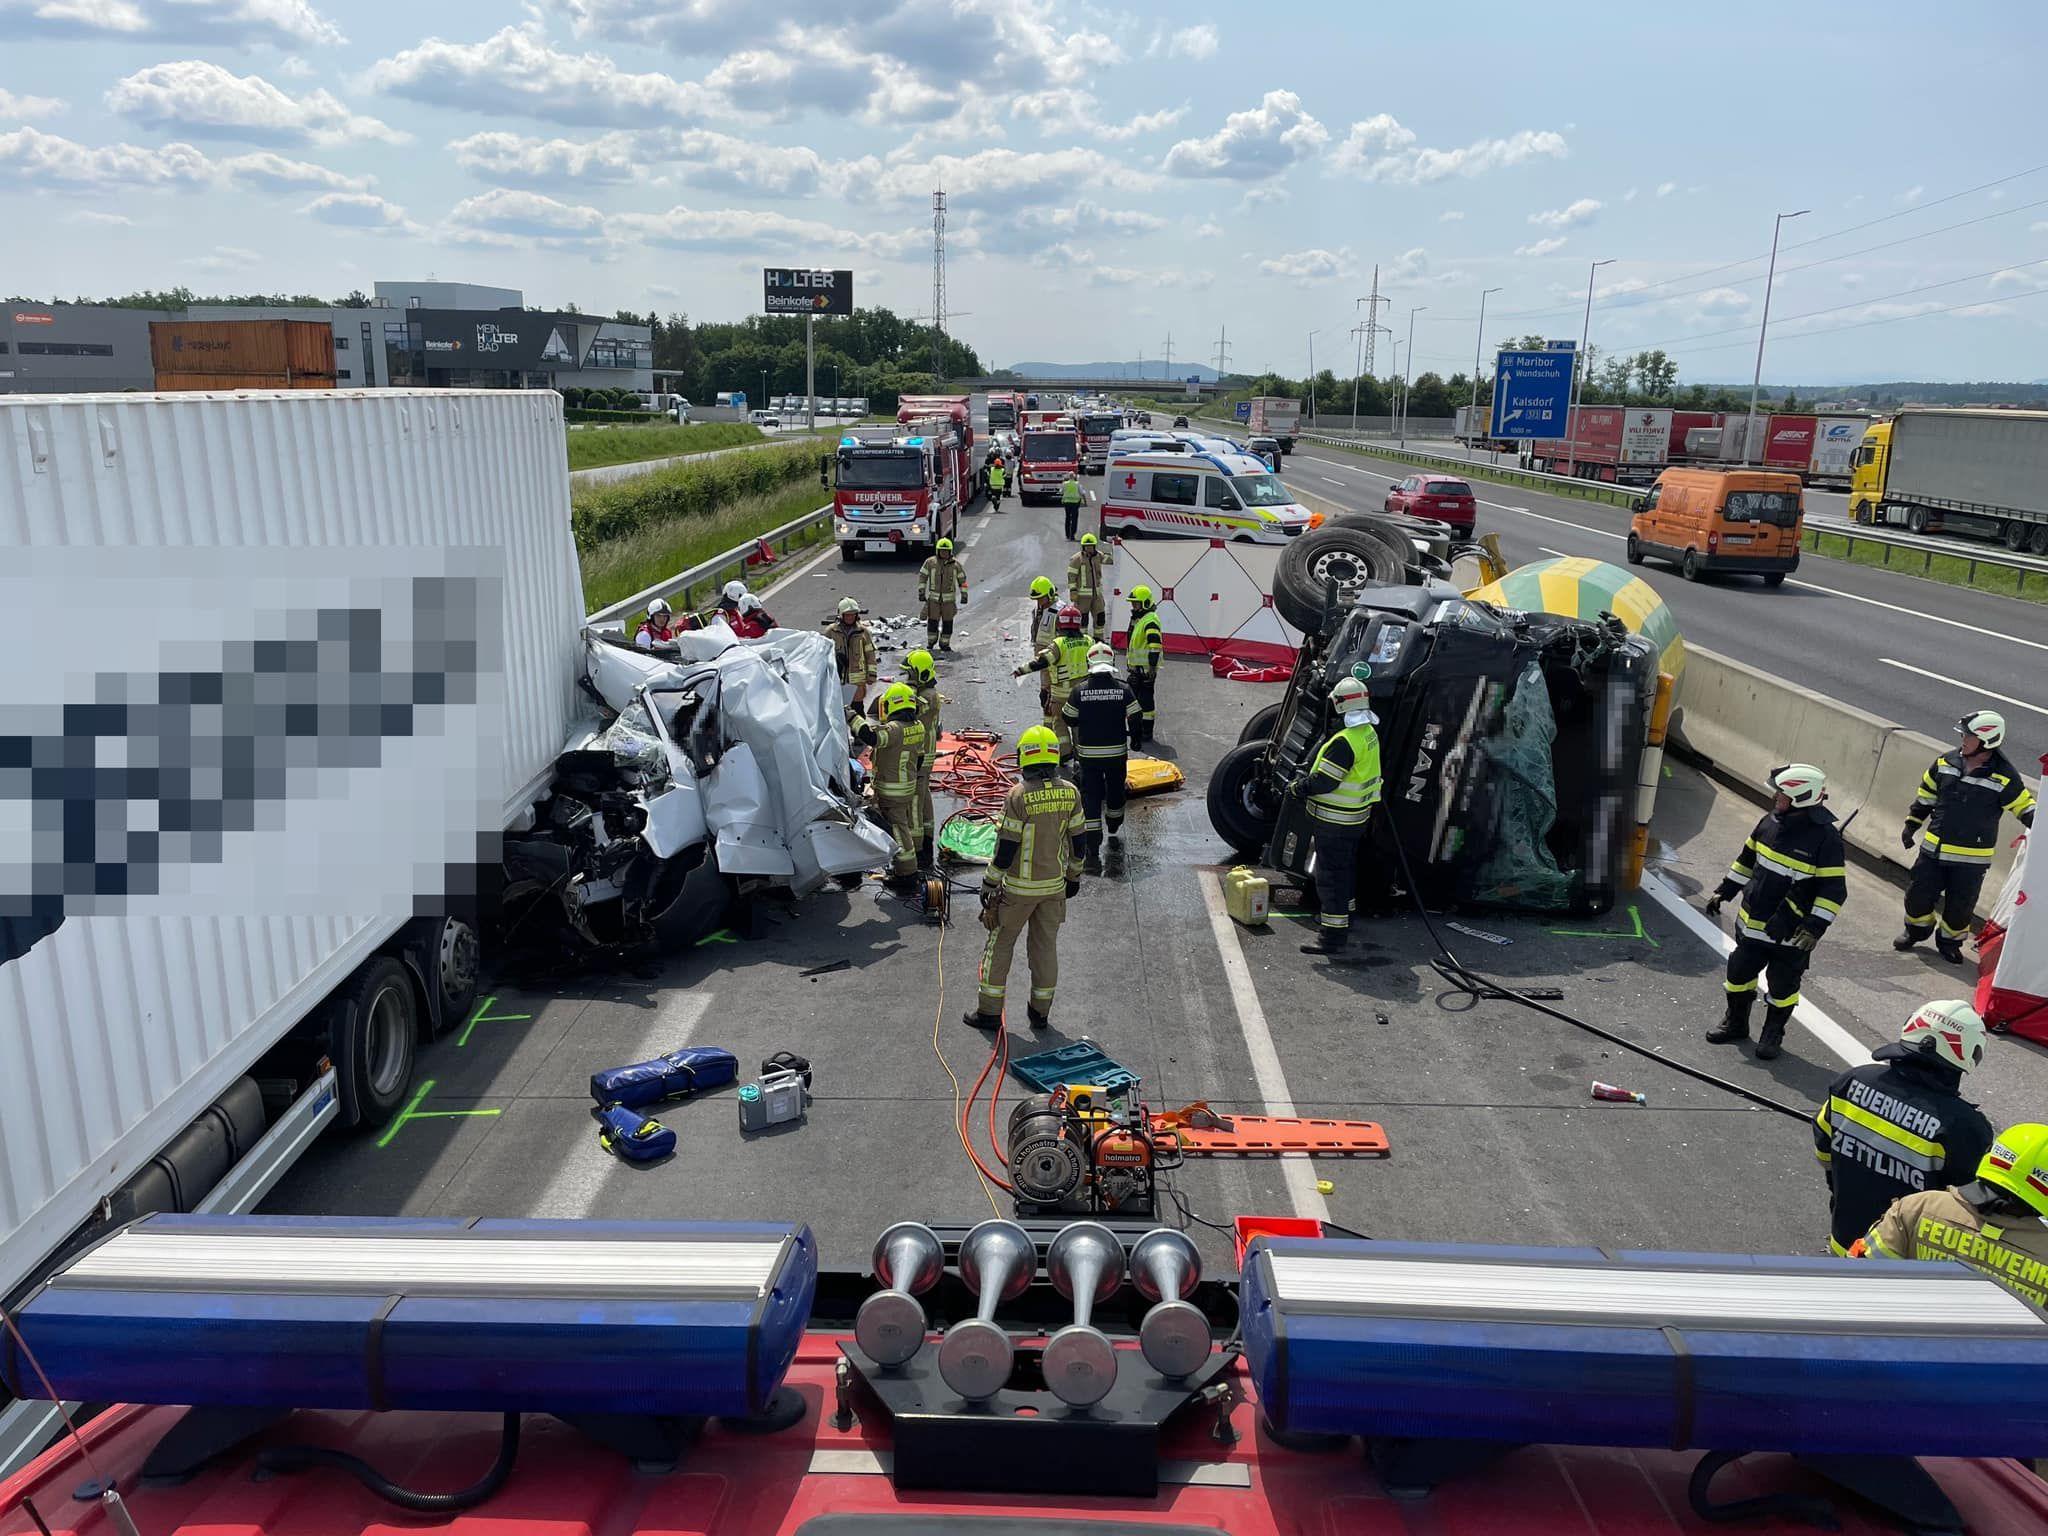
501, 1316
1689, 1351
913, 442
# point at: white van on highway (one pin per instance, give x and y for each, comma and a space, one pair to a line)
1201, 493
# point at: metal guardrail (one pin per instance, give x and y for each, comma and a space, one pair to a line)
2028, 576
679, 588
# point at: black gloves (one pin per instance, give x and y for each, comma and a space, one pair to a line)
1909, 834
1073, 887
1714, 903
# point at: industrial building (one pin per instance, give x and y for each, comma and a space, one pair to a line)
431, 335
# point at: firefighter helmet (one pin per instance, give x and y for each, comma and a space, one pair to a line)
1101, 658
944, 546
1038, 747
920, 667
659, 605
734, 591
2018, 1164
1087, 541
897, 699
1948, 1031
1987, 725
848, 605
1801, 783
1041, 586
1141, 596
1068, 619
1348, 694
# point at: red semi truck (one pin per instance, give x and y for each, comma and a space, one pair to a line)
1631, 445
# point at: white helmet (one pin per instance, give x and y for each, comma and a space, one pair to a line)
1801, 783
1987, 725
750, 604
734, 591
659, 605
848, 605
1101, 658
1949, 1031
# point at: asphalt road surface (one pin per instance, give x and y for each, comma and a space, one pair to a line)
1903, 648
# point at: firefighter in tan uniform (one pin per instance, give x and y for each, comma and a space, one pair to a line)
1064, 663
898, 742
942, 589
853, 645
1043, 610
1087, 584
922, 673
1037, 866
1998, 1223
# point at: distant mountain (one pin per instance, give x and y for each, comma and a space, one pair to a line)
1152, 368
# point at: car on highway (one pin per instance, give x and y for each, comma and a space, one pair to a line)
1204, 492
1435, 497
1180, 421
1704, 521
1267, 448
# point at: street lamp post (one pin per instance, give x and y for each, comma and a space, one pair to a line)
764, 389
1478, 344
1412, 313
1757, 379
1312, 335
1571, 460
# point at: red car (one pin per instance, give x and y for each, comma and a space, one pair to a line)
1433, 496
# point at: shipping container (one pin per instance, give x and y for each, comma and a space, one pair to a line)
1835, 442
356, 617
228, 383
1976, 472
276, 349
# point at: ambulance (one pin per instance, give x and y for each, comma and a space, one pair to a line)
1206, 492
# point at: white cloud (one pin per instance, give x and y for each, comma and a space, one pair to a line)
1451, 216
1311, 266
2019, 280
515, 73
804, 71
522, 217
2038, 227
21, 109
295, 67
1411, 266
1380, 149
1981, 311
101, 217
1584, 211
664, 291
1630, 195
699, 157
267, 172
1252, 145
1666, 188
511, 157
682, 26
745, 231
1208, 229
225, 23
1034, 226
46, 160
1196, 42
1722, 301
1262, 197
1545, 247
355, 210
1143, 123
225, 258
195, 96
1853, 279
1911, 196
1069, 112
1000, 179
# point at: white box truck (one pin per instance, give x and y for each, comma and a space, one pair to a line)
1276, 418
282, 667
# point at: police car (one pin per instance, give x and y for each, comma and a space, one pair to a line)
1205, 492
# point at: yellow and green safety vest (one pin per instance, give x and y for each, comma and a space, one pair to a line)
1352, 757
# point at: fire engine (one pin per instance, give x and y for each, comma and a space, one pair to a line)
903, 490
1095, 428
1051, 451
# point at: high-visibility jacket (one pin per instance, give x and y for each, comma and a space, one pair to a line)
1961, 806
997, 477
1344, 780
1941, 1224
1104, 715
1070, 493
1036, 840
1146, 643
899, 746
854, 649
1065, 662
1791, 874
1891, 1127
928, 703
1043, 616
1084, 575
941, 580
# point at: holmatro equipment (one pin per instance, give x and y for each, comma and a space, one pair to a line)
1080, 1148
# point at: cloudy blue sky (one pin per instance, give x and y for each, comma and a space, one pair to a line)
1117, 174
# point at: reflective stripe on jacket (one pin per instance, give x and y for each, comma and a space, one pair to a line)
1961, 806
1084, 575
898, 745
1146, 643
1344, 781
1940, 1224
1791, 873
1101, 709
1043, 818
856, 653
941, 581
1891, 1127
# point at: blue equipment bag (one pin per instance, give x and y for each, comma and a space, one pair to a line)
674, 1076
637, 1138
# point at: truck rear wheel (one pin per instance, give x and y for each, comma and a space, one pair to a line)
2016, 535
1240, 808
2038, 543
1916, 519
1691, 568
375, 1037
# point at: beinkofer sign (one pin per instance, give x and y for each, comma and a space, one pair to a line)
802, 291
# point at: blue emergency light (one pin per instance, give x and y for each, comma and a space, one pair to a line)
913, 442
371, 1313
1681, 1350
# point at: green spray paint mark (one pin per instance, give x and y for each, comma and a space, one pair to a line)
1635, 931
1277, 913
723, 936
483, 1015
413, 1112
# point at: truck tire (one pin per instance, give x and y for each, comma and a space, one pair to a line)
848, 553
2016, 535
2038, 542
458, 961
1635, 549
1351, 558
1262, 725
1690, 566
1239, 809
1862, 512
1404, 529
374, 1039
1916, 519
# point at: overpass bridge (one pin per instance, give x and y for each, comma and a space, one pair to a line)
1156, 388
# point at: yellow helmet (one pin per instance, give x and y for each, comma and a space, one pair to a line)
1038, 747
1141, 596
944, 546
897, 699
920, 666
1041, 586
2018, 1164
1087, 541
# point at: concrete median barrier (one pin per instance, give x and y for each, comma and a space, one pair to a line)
1747, 722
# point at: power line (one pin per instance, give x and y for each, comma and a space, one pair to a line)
1864, 325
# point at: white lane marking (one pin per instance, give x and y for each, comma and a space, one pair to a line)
1932, 618
1328, 481
1943, 677
1808, 1015
1299, 1172
1503, 506
1561, 522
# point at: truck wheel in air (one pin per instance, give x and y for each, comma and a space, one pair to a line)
1916, 519
1350, 558
1262, 725
458, 962
375, 1035
1239, 808
1691, 567
1635, 550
